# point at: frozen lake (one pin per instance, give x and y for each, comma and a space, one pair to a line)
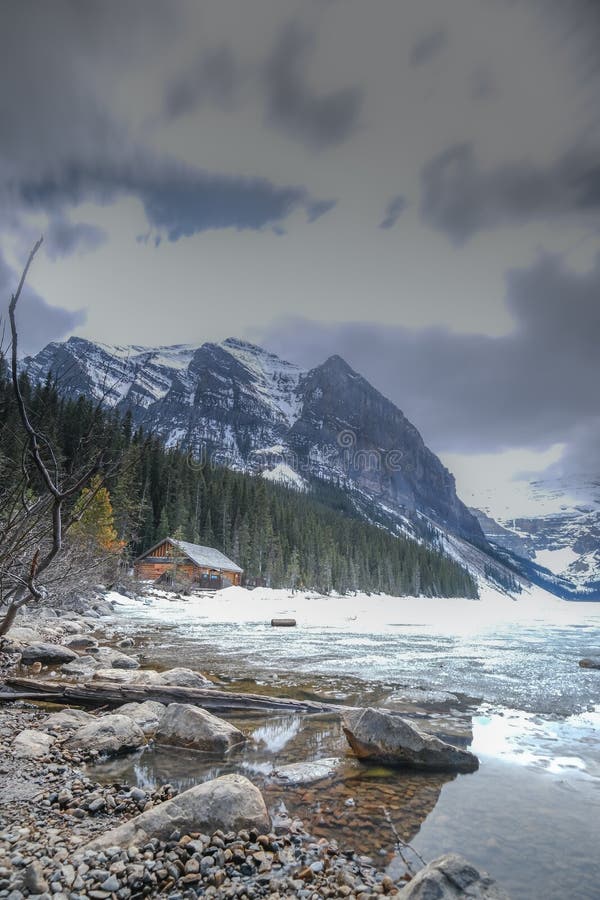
499, 674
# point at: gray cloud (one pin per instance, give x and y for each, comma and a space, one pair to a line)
318, 120
63, 238
215, 78
178, 198
428, 46
471, 393
37, 321
393, 211
459, 198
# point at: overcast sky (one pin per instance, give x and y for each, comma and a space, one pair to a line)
412, 185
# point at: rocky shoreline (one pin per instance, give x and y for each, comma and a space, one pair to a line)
56, 822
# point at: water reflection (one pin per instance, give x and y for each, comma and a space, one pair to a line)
356, 808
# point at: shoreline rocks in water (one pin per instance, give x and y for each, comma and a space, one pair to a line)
229, 803
590, 662
42, 652
108, 734
380, 736
450, 878
190, 726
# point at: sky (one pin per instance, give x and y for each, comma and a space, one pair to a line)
414, 186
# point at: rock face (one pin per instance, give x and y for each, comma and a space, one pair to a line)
47, 653
590, 662
32, 743
108, 734
271, 412
147, 715
188, 726
229, 803
379, 736
451, 878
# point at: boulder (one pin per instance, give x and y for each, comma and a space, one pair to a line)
108, 657
379, 736
229, 803
590, 662
47, 653
306, 772
82, 667
188, 726
24, 634
184, 678
147, 715
68, 719
81, 642
71, 626
108, 734
451, 878
32, 743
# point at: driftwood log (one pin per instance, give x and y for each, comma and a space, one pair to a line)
106, 693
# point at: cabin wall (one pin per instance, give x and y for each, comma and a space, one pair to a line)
154, 566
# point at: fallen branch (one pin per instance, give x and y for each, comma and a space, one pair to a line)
103, 692
402, 845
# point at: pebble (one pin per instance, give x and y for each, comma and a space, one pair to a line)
41, 844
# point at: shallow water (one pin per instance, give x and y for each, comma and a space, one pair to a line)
530, 815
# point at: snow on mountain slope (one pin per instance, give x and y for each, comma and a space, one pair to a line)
235, 404
555, 521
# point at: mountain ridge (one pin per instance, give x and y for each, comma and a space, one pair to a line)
238, 404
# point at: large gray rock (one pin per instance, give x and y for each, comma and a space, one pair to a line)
306, 772
185, 678
590, 662
379, 736
68, 720
188, 726
108, 734
47, 653
81, 642
109, 657
82, 667
451, 878
147, 715
229, 803
32, 743
71, 626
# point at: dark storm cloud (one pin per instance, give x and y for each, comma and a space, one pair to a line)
37, 321
319, 120
63, 238
393, 211
428, 46
215, 78
474, 393
60, 64
460, 198
180, 199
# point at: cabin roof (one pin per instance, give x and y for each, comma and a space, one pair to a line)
202, 556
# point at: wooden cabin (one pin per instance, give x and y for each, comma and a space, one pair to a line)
204, 566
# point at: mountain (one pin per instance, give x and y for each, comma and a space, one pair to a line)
236, 404
553, 525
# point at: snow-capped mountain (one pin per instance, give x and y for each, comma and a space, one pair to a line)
554, 522
237, 404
